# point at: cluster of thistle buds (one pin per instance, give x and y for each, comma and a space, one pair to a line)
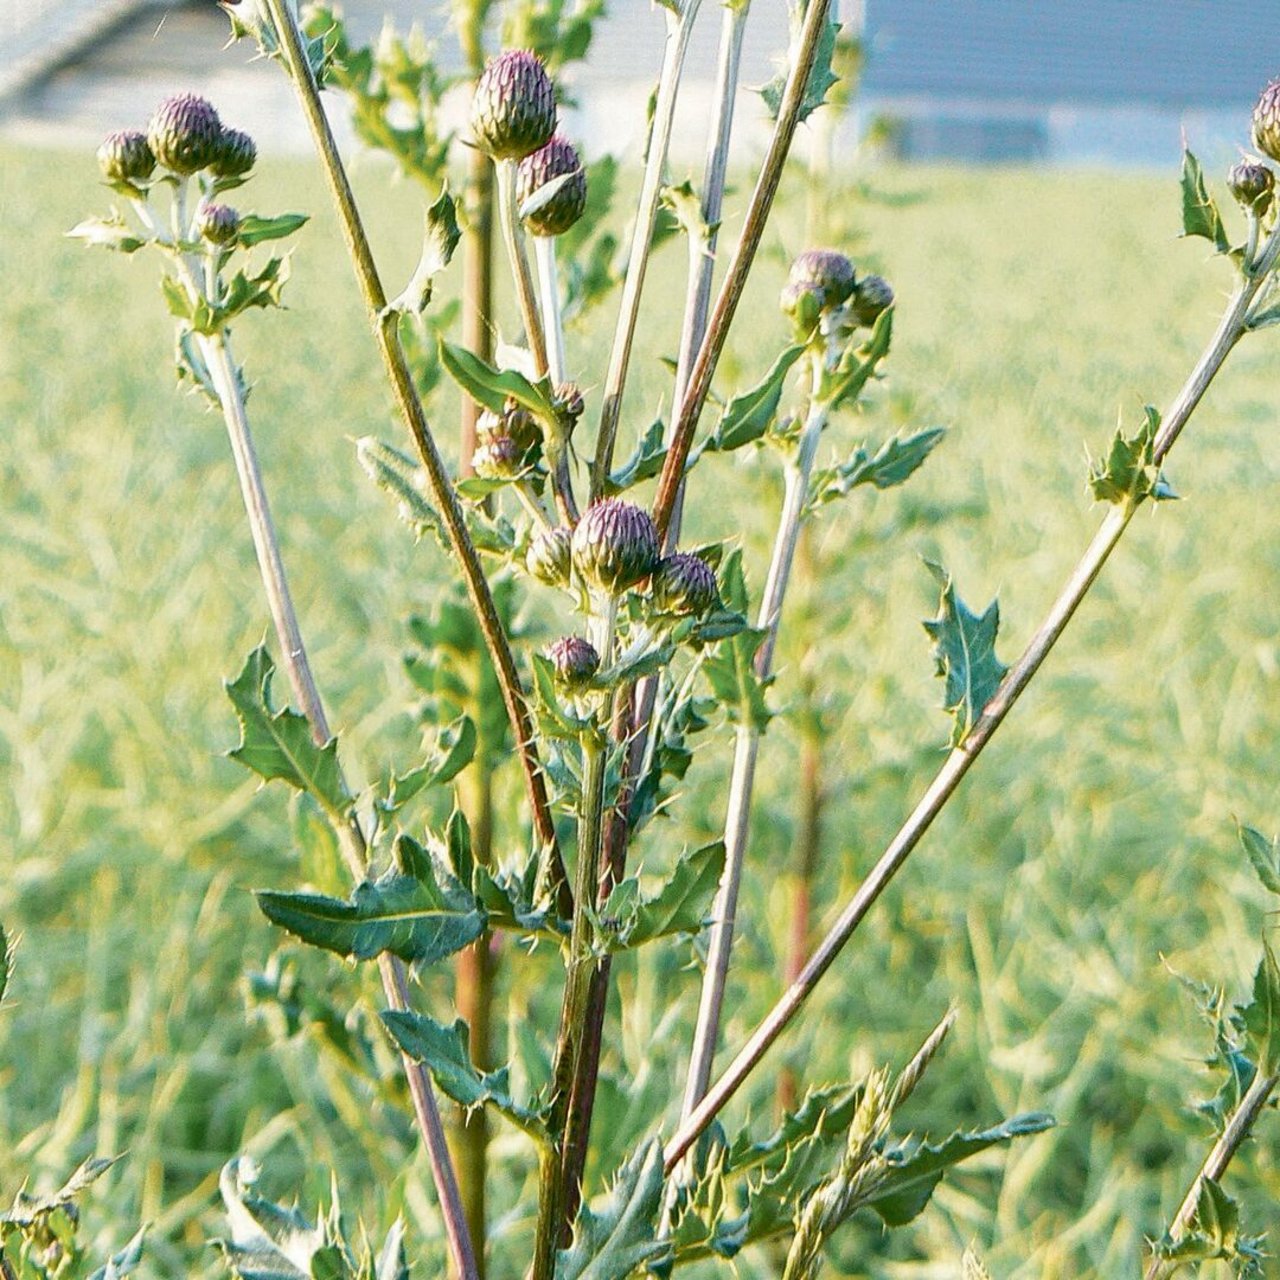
1251, 181
824, 289
184, 139
513, 119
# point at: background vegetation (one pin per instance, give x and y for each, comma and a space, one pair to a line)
1095, 840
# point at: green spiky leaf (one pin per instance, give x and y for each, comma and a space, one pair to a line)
682, 905
446, 1052
1214, 1234
619, 1235
1200, 216
108, 233
491, 387
278, 744
822, 77
415, 910
401, 477
123, 1263
455, 748
730, 669
965, 653
892, 464
1264, 854
256, 230
643, 464
268, 1241
857, 364
1128, 473
1261, 1016
440, 238
750, 415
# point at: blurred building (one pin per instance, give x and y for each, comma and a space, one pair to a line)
1090, 81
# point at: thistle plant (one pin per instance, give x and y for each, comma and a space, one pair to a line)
646, 644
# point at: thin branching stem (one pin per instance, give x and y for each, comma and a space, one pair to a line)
679, 29
690, 408
962, 757
1237, 1129
386, 331
746, 752
518, 257
230, 392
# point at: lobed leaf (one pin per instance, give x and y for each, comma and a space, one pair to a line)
108, 233
892, 464
1264, 854
682, 905
1200, 216
1129, 474
492, 387
268, 1241
730, 668
454, 750
123, 1263
964, 650
440, 238
749, 416
856, 366
822, 77
1261, 1016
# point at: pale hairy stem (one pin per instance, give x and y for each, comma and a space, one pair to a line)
518, 259
742, 778
386, 332
544, 254
702, 256
217, 357
1237, 1129
679, 29
690, 407
961, 758
477, 293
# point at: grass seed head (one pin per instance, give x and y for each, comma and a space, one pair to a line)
513, 112
185, 133
615, 545
558, 160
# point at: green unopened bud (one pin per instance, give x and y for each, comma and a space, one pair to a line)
556, 210
574, 660
801, 303
497, 457
218, 223
615, 545
236, 154
871, 296
185, 133
513, 111
520, 425
827, 271
685, 584
548, 557
568, 402
1252, 184
125, 156
1266, 121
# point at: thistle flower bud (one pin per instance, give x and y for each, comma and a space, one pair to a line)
548, 557
802, 303
235, 155
218, 223
1266, 121
497, 457
871, 296
558, 160
513, 111
1252, 184
568, 401
825, 270
184, 133
685, 584
520, 425
574, 660
615, 545
125, 156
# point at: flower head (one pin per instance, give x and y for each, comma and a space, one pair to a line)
1252, 184
685, 584
185, 133
871, 296
615, 545
218, 223
235, 154
513, 111
125, 156
1266, 121
827, 271
560, 163
548, 557
574, 660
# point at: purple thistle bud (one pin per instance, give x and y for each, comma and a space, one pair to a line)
685, 584
825, 270
218, 223
513, 111
1266, 121
615, 545
559, 159
497, 457
871, 296
1252, 184
184, 133
548, 556
574, 660
236, 154
125, 156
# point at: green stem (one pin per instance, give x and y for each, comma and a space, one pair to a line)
386, 331
513, 238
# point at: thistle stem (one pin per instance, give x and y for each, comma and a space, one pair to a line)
742, 779
445, 496
544, 254
226, 382
477, 293
1215, 1165
513, 238
961, 758
690, 409
679, 29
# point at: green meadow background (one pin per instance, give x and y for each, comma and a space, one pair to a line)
1089, 859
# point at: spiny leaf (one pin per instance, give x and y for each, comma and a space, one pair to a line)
892, 464
402, 478
973, 1266
964, 650
685, 206
1129, 473
278, 744
1261, 1017
256, 230
446, 1052
1214, 1234
108, 233
391, 1262
439, 240
916, 1168
1200, 216
268, 1241
821, 78
616, 1238
455, 749
858, 363
823, 1115
680, 906
644, 463
1264, 854
26, 1209
748, 416
410, 911
123, 1263
730, 669
491, 387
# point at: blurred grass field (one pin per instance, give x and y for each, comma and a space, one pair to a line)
1092, 850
